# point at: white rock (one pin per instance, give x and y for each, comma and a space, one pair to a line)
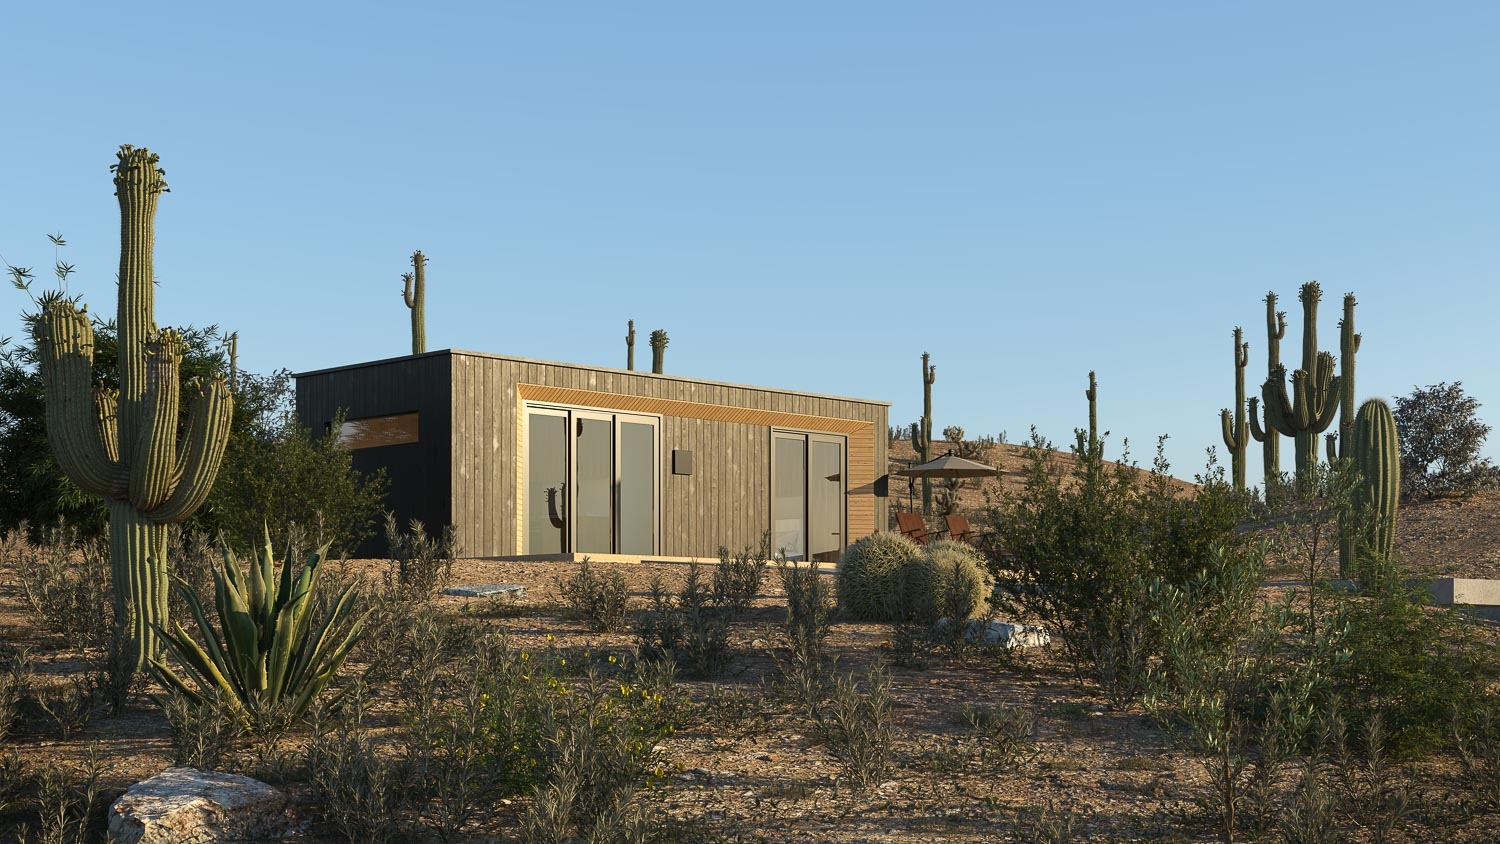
189, 806
511, 591
1006, 634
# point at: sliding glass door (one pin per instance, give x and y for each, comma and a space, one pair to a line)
807, 495
591, 482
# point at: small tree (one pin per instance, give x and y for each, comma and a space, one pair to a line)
1441, 436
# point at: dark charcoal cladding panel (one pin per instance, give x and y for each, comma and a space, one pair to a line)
418, 472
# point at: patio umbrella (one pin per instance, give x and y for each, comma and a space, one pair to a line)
949, 465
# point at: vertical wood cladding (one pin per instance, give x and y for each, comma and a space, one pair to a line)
418, 472
726, 501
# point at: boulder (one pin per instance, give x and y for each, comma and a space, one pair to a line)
509, 591
189, 806
1006, 634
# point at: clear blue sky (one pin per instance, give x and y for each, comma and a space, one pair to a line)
805, 195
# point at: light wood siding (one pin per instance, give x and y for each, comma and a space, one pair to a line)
726, 501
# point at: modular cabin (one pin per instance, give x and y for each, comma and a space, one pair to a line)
534, 459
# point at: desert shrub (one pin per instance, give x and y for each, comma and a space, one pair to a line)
1476, 737
1044, 825
203, 733
361, 788
857, 725
1086, 536
734, 712
283, 474
16, 675
1003, 730
421, 565
1441, 438
67, 582
1211, 673
687, 626
601, 600
69, 803
738, 577
1404, 664
804, 672
867, 576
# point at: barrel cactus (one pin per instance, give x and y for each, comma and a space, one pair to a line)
948, 579
869, 572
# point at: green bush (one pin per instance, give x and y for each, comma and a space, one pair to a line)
868, 575
1087, 535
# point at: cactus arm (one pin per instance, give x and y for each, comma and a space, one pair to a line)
1228, 425
406, 280
202, 450
1332, 442
1254, 419
153, 455
1278, 403
75, 427
106, 419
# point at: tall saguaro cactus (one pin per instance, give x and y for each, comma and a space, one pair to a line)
1268, 437
921, 432
1314, 399
1348, 347
658, 350
1375, 452
415, 295
630, 345
125, 445
1235, 437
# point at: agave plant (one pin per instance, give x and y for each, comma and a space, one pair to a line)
271, 654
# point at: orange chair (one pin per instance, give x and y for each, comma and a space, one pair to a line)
958, 528
912, 525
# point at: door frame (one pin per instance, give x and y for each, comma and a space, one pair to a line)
574, 415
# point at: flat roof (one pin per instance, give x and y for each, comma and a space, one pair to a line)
582, 367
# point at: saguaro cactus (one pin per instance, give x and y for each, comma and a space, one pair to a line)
1235, 437
124, 445
658, 350
1375, 452
415, 295
1092, 394
1268, 437
1314, 400
630, 346
921, 432
1348, 347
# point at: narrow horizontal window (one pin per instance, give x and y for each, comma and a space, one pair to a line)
375, 431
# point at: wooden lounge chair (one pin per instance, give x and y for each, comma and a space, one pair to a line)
959, 529
914, 526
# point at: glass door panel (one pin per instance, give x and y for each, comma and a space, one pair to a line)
789, 495
637, 499
546, 502
594, 485
825, 499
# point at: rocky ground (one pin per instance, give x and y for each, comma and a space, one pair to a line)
766, 778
